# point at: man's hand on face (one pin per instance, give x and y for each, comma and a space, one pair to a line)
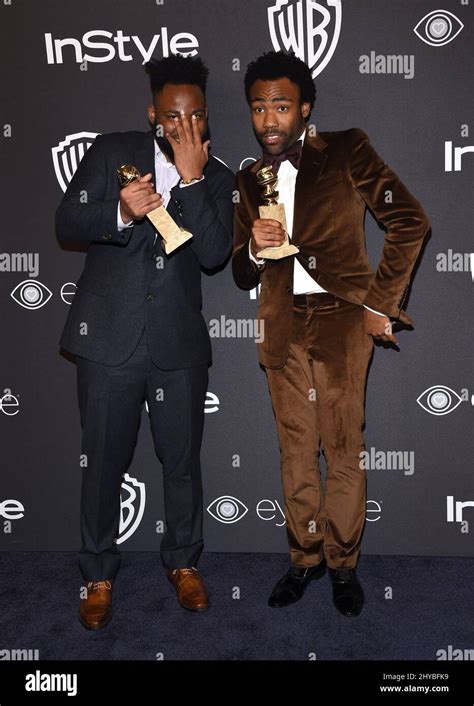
380, 327
138, 198
266, 233
190, 152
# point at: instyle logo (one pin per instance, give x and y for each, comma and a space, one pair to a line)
12, 509
308, 28
92, 47
454, 509
453, 156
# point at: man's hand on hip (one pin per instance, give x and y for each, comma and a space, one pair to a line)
380, 327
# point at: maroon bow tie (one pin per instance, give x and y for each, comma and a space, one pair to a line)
293, 154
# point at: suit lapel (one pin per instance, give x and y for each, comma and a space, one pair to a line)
145, 163
253, 190
145, 155
313, 159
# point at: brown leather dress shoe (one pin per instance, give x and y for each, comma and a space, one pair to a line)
95, 611
190, 588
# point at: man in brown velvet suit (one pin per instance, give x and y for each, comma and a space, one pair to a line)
321, 310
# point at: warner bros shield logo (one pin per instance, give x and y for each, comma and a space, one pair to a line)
68, 154
132, 507
308, 28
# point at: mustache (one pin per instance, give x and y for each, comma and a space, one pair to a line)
272, 132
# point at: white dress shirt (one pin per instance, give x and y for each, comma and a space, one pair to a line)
166, 176
303, 283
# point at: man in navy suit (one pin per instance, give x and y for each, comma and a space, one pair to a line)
135, 325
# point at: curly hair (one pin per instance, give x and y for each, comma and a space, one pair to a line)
278, 64
177, 69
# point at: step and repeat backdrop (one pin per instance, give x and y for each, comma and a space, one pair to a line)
401, 71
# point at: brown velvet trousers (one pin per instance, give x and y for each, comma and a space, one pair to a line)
318, 401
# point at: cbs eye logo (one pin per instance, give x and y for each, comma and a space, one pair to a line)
227, 509
439, 400
31, 294
438, 28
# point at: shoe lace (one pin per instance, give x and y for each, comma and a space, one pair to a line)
95, 585
188, 571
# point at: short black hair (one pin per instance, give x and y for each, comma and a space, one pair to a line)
177, 69
278, 64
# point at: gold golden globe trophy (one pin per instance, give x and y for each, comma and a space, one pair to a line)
172, 234
267, 179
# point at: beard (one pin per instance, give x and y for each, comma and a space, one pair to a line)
166, 147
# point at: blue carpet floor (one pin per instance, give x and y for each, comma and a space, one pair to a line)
430, 610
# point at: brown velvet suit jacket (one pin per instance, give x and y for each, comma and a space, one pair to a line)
340, 175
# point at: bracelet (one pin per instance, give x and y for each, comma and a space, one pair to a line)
191, 181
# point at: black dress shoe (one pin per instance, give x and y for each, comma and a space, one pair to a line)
347, 593
291, 587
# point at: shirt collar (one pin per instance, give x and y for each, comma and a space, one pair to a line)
161, 157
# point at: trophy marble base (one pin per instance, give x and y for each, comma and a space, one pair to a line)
172, 234
277, 213
176, 241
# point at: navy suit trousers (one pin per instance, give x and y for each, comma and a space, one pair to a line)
111, 399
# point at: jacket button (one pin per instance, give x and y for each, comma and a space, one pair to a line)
289, 289
149, 297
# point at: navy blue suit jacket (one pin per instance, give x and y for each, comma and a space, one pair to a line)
127, 281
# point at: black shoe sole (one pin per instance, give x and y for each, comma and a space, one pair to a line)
349, 615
